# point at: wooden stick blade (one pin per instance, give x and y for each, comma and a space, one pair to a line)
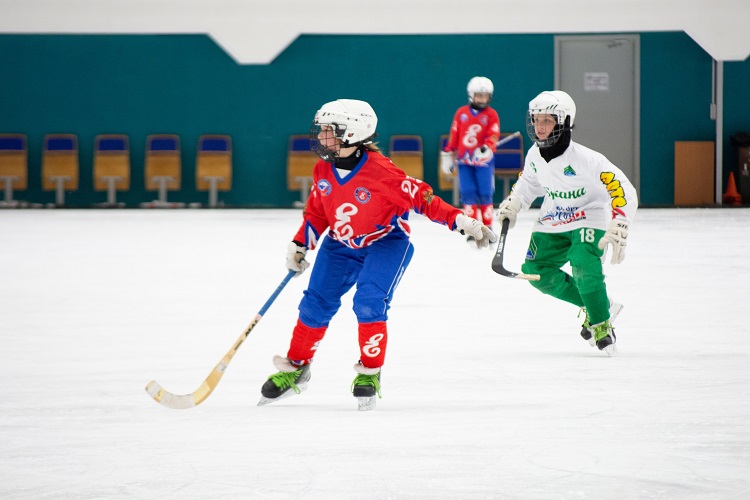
166, 398
510, 274
179, 402
183, 401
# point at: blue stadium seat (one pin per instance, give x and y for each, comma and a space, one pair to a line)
509, 159
60, 169
405, 151
300, 161
163, 168
448, 182
111, 166
213, 165
14, 166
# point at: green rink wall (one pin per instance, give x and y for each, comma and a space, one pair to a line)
187, 85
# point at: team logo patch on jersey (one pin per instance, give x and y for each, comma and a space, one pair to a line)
563, 215
464, 117
531, 251
483, 120
569, 171
324, 187
362, 195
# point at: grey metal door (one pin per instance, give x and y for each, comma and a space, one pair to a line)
602, 75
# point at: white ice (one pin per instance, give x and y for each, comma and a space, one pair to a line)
488, 390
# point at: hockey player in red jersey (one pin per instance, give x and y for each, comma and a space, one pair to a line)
474, 134
363, 200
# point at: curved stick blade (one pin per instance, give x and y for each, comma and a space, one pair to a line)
166, 398
175, 401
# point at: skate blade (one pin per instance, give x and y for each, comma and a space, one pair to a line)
614, 312
611, 350
367, 403
265, 401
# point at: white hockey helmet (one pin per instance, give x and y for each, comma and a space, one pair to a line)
353, 122
556, 103
479, 85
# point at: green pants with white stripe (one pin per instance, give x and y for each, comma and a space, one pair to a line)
549, 252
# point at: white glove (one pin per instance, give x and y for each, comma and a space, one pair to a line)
509, 209
295, 258
482, 155
482, 235
447, 162
617, 236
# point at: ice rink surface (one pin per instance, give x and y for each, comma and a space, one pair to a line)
488, 390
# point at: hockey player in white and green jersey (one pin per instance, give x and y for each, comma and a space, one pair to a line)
588, 204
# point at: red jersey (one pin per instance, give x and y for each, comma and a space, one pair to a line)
472, 129
372, 201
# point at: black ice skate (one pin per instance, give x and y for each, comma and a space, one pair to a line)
366, 386
604, 336
587, 330
288, 381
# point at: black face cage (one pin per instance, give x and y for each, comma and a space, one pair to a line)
329, 154
479, 106
551, 139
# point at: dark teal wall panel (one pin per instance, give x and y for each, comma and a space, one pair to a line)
675, 106
185, 84
736, 110
415, 83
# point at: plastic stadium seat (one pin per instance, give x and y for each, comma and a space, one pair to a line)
163, 167
111, 166
14, 166
405, 151
60, 165
447, 182
213, 165
300, 160
509, 159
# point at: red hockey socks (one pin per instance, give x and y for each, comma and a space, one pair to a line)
373, 338
487, 215
472, 211
305, 340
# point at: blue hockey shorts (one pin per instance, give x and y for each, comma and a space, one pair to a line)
375, 269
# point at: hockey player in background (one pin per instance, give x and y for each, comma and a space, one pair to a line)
474, 134
364, 201
588, 205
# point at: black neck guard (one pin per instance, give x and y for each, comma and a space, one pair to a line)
350, 161
558, 148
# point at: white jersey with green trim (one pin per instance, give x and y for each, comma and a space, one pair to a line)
581, 188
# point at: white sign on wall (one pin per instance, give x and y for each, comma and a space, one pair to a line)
596, 82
